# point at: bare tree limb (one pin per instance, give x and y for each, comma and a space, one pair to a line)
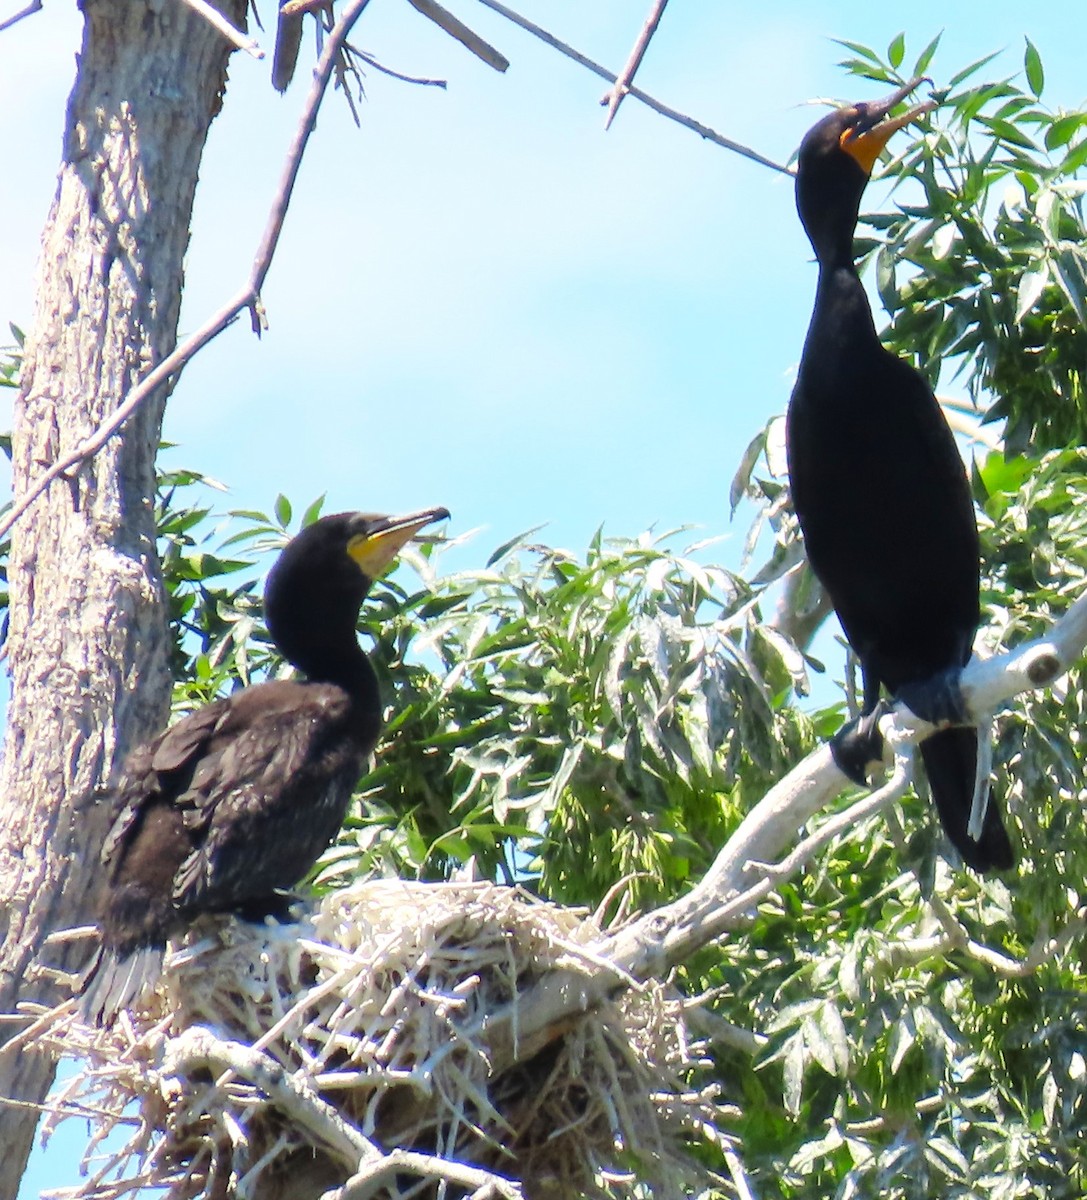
247, 298
231, 32
33, 7
470, 40
626, 75
711, 135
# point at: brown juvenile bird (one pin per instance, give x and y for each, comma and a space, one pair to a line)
236, 801
877, 481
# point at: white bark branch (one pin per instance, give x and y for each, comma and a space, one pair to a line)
198, 1049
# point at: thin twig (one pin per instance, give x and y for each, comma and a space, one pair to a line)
370, 61
247, 298
469, 39
711, 135
626, 75
33, 7
232, 34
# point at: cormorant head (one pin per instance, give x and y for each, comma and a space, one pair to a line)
836, 158
318, 583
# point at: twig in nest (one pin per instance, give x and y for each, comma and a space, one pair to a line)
626, 76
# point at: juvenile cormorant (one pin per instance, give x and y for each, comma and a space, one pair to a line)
238, 799
877, 482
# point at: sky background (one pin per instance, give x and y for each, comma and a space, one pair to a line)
481, 299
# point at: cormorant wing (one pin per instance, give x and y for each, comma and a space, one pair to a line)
268, 793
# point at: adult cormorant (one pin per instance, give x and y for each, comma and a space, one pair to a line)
877, 481
238, 799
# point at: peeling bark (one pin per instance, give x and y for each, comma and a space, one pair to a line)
88, 638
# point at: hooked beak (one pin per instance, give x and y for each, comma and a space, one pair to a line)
375, 549
868, 132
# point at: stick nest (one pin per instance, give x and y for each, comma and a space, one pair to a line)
281, 1060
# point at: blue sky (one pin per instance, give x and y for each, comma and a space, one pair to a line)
481, 299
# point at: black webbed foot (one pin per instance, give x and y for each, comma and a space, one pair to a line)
937, 700
276, 905
859, 745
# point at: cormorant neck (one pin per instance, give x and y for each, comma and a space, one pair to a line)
339, 661
841, 321
828, 202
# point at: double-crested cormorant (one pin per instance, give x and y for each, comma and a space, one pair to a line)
238, 799
877, 481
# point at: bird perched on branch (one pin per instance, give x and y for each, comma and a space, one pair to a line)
877, 481
237, 800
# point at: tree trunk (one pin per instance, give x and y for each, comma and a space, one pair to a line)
87, 640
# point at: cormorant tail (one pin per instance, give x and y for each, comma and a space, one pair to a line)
949, 758
114, 981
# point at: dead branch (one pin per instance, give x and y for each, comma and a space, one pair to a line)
33, 7
626, 76
704, 131
470, 40
217, 21
370, 61
247, 298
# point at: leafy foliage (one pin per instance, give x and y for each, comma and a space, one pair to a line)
985, 270
887, 1025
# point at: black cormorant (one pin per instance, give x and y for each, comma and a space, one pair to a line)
238, 799
877, 481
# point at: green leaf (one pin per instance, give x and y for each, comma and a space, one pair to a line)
1031, 285
972, 69
1071, 264
926, 56
1063, 129
282, 510
896, 51
313, 511
741, 481
1032, 62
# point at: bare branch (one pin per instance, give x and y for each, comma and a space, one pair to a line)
370, 61
247, 298
626, 75
371, 1180
198, 1049
33, 7
711, 135
232, 34
444, 19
